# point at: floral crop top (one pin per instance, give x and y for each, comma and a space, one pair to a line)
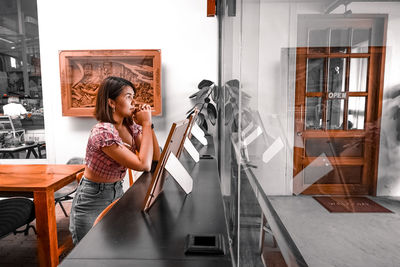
105, 134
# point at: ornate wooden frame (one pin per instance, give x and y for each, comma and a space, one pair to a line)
82, 71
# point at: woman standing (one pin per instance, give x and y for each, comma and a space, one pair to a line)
123, 138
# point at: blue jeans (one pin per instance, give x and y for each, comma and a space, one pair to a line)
90, 200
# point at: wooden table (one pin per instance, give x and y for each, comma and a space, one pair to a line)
40, 182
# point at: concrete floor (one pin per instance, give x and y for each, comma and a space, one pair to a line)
341, 239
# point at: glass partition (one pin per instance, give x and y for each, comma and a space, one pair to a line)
310, 122
21, 100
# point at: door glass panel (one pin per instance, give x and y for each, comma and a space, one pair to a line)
334, 114
315, 75
339, 40
358, 74
360, 40
356, 114
313, 113
317, 40
339, 175
335, 147
337, 75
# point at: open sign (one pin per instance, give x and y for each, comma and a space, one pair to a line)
334, 95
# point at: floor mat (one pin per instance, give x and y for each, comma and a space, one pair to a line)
350, 204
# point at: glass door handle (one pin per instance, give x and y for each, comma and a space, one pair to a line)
299, 133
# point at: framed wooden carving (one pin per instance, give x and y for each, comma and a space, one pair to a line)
82, 71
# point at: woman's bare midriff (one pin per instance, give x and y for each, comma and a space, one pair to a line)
90, 175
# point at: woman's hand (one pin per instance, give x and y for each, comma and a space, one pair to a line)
143, 114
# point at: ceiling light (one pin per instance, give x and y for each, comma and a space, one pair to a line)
347, 12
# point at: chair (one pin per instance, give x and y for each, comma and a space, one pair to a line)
130, 177
15, 213
41, 146
65, 193
104, 212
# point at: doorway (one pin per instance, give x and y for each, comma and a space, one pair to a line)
338, 103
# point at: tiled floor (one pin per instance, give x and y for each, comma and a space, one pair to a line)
20, 250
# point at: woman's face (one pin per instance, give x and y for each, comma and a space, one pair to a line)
125, 103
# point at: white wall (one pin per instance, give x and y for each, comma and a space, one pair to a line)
187, 38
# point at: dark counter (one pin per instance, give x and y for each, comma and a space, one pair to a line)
128, 237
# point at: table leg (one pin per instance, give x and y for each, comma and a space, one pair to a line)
34, 153
39, 152
46, 228
28, 154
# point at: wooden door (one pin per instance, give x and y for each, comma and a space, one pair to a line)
337, 112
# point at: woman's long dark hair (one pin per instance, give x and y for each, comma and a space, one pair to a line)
111, 87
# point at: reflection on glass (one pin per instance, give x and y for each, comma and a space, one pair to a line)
313, 113
318, 168
358, 74
339, 40
337, 75
360, 40
317, 40
315, 75
356, 113
334, 114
